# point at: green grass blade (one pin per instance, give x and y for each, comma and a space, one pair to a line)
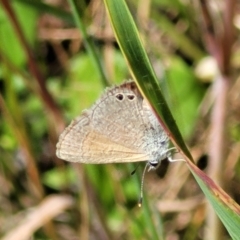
225, 207
141, 68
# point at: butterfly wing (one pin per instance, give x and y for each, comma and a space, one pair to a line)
81, 143
119, 127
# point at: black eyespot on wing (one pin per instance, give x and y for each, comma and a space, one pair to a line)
130, 96
120, 96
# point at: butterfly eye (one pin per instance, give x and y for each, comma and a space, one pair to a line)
130, 97
120, 96
153, 165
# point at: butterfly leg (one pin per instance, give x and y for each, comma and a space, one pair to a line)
169, 155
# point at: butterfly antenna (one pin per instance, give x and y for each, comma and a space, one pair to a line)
141, 190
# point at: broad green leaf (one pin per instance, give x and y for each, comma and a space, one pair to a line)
10, 45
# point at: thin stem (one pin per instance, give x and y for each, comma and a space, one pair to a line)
228, 34
217, 149
87, 41
209, 33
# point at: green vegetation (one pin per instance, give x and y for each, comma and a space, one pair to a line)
56, 59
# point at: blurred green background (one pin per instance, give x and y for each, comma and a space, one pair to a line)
48, 76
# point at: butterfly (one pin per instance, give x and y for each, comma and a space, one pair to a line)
119, 128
